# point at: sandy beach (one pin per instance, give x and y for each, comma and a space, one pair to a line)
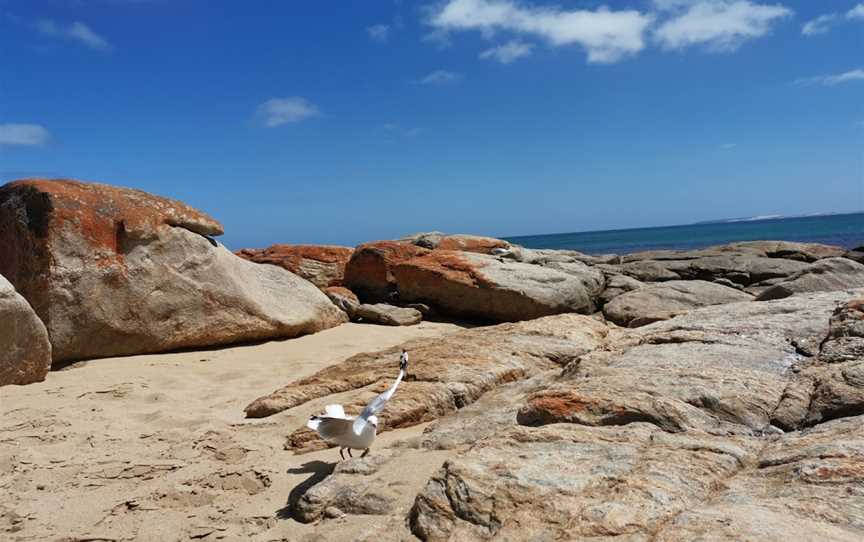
156, 447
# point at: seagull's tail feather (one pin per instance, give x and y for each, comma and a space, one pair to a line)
313, 423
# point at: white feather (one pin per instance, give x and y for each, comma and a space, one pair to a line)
335, 411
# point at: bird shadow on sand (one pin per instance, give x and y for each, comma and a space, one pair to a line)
319, 470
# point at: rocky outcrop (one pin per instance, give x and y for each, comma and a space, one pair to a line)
665, 433
443, 374
378, 313
461, 242
387, 315
617, 285
115, 271
831, 385
369, 272
25, 353
823, 276
322, 265
469, 285
753, 264
743, 268
665, 300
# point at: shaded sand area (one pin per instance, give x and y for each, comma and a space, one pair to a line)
156, 447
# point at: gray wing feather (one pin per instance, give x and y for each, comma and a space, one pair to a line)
334, 428
376, 406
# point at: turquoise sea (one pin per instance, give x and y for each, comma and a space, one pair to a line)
846, 230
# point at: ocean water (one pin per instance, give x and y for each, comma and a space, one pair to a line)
846, 230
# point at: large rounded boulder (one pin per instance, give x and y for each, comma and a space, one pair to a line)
469, 285
25, 353
115, 271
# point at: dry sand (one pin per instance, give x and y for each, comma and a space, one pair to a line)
156, 447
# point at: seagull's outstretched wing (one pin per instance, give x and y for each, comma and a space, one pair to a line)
378, 404
332, 429
333, 424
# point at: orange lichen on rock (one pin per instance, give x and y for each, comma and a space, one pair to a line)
341, 291
103, 215
369, 272
471, 243
450, 265
554, 406
323, 265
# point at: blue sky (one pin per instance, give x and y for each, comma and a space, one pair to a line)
339, 122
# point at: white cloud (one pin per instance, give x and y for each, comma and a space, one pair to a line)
728, 146
23, 134
819, 25
378, 32
439, 77
607, 36
856, 13
719, 25
278, 111
831, 80
510, 51
76, 31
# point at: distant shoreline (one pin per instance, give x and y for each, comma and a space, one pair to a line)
841, 229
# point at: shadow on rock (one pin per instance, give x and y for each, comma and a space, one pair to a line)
319, 471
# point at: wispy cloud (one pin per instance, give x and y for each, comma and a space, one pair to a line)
824, 23
23, 134
607, 36
718, 25
76, 31
278, 111
728, 146
832, 80
439, 77
509, 52
819, 25
379, 33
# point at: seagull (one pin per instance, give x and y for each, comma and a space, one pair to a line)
355, 433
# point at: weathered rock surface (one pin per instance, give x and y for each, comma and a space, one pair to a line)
388, 315
461, 242
662, 301
339, 295
469, 285
322, 265
823, 276
377, 313
568, 482
663, 434
802, 486
115, 271
617, 285
742, 268
25, 353
748, 264
369, 272
831, 385
445, 373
